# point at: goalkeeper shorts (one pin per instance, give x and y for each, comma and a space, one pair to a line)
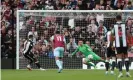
95, 57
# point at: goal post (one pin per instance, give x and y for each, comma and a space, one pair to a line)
46, 20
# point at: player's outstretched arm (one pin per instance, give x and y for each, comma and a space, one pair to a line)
88, 47
75, 51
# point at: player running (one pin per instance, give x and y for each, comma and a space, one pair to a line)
88, 53
28, 45
58, 45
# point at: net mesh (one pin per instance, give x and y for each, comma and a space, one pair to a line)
75, 25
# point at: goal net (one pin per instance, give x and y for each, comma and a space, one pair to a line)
74, 25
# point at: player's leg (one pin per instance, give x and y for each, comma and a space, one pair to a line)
87, 61
96, 57
127, 63
27, 56
36, 61
113, 64
57, 57
107, 55
119, 61
61, 56
113, 55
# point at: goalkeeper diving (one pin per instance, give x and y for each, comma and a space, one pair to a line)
88, 53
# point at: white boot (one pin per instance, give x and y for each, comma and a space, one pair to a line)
106, 72
120, 75
128, 74
29, 67
112, 72
42, 69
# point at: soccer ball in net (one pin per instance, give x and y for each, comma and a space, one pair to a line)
90, 56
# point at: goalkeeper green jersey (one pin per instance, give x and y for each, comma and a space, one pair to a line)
84, 49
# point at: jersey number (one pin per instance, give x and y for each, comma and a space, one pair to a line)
59, 38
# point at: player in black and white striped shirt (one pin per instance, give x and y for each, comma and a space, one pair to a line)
120, 37
28, 45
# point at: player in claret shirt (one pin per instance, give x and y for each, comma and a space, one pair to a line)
59, 46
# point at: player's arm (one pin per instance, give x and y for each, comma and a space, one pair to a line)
27, 45
112, 37
65, 46
75, 51
52, 44
88, 47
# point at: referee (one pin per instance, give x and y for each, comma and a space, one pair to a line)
28, 45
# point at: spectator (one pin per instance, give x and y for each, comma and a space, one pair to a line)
3, 28
38, 48
8, 37
129, 24
93, 47
7, 14
102, 30
8, 53
46, 35
71, 46
90, 35
129, 6
97, 6
67, 35
49, 7
77, 33
88, 43
93, 26
34, 33
82, 6
118, 6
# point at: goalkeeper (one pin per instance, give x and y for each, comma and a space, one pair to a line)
88, 53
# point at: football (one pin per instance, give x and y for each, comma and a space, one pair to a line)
90, 56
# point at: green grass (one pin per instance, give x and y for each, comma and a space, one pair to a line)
65, 75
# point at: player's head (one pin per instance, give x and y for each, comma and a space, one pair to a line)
80, 42
57, 32
101, 22
118, 18
129, 4
30, 37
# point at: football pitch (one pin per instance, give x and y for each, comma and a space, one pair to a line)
65, 75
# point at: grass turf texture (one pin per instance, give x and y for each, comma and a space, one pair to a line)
65, 75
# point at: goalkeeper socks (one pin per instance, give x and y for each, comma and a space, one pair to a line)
107, 65
120, 64
58, 63
127, 64
113, 65
61, 62
38, 65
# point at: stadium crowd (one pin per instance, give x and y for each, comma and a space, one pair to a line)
8, 21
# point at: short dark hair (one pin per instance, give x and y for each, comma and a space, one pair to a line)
80, 39
97, 2
57, 32
118, 17
129, 3
30, 36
